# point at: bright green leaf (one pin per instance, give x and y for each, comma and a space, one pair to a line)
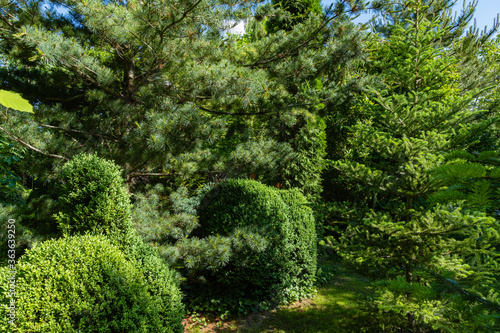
13, 100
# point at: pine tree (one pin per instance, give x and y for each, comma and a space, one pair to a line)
421, 109
291, 12
159, 88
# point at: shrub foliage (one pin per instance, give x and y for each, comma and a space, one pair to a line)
93, 197
85, 284
273, 235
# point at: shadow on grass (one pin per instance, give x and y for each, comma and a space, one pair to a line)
342, 305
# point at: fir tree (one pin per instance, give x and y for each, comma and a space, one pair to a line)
420, 110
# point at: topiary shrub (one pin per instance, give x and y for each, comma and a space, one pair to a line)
93, 198
86, 284
162, 281
285, 270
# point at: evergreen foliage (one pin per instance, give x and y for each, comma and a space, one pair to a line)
303, 171
418, 112
161, 279
290, 13
252, 246
85, 284
23, 236
9, 154
156, 88
163, 223
93, 198
391, 136
39, 210
472, 178
271, 235
9, 178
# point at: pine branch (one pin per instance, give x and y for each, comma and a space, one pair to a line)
6, 20
80, 131
233, 113
184, 15
295, 49
92, 80
69, 99
17, 139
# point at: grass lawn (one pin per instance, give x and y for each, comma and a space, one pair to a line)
342, 304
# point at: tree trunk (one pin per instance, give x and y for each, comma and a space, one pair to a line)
412, 324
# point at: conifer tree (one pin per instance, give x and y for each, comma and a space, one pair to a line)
159, 88
292, 12
421, 109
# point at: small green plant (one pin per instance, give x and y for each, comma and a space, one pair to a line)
198, 319
325, 274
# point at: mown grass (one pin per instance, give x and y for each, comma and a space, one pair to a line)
342, 304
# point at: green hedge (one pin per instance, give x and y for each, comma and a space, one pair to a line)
93, 198
285, 270
85, 284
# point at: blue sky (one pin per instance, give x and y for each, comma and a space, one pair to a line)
486, 11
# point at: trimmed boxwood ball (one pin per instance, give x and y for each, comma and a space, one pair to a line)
86, 284
93, 198
162, 281
285, 270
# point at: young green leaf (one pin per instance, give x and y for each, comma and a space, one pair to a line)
13, 100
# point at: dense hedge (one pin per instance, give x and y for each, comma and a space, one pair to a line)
86, 284
285, 270
92, 197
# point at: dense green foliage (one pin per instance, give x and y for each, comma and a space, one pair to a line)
291, 12
9, 178
386, 133
92, 198
470, 178
267, 240
10, 155
84, 283
157, 91
418, 113
161, 279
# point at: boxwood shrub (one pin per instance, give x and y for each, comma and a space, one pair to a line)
93, 198
86, 284
285, 270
